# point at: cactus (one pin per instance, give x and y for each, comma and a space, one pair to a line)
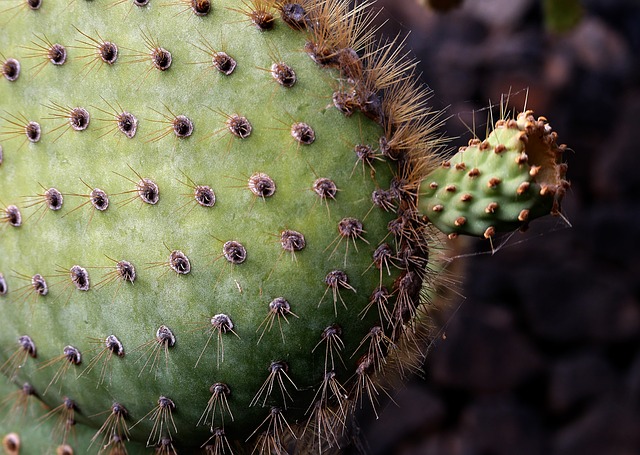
211, 231
500, 184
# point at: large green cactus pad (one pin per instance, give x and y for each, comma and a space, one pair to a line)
194, 239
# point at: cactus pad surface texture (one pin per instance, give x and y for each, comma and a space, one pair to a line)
210, 237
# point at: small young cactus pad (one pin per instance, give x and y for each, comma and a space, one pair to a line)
210, 234
500, 184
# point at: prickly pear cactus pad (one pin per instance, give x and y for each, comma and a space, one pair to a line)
210, 236
499, 184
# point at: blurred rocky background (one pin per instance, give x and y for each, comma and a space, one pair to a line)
542, 352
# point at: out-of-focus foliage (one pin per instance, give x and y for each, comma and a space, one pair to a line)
562, 15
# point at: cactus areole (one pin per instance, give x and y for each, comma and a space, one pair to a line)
216, 221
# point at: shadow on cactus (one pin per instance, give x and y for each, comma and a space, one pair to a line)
220, 221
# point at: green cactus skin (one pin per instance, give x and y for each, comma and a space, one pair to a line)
37, 425
210, 236
499, 184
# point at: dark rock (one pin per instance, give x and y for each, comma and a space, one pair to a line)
620, 223
483, 352
610, 427
633, 381
575, 302
579, 379
498, 13
599, 48
614, 175
501, 426
416, 409
448, 443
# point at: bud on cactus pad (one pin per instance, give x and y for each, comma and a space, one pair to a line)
211, 238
